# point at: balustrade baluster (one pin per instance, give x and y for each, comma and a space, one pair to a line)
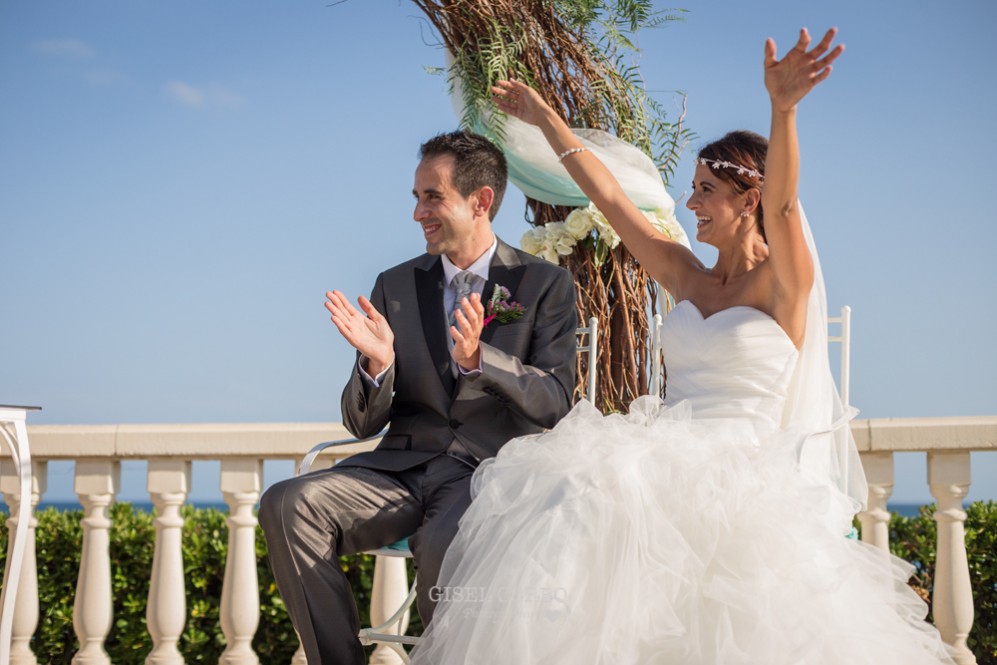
97, 481
876, 518
388, 589
952, 601
26, 601
241, 481
166, 613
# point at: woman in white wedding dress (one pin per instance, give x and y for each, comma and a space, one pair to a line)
690, 530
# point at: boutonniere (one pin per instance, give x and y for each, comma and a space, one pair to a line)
502, 309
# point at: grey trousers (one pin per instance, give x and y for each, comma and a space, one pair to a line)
311, 520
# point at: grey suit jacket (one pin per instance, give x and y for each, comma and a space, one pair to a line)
528, 366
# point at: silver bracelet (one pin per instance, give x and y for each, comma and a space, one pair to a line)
570, 152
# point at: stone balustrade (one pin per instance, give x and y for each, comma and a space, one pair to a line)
241, 449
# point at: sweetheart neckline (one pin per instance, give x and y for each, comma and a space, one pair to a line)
733, 307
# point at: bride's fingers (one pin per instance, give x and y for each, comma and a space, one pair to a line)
770, 52
803, 42
824, 44
820, 76
830, 57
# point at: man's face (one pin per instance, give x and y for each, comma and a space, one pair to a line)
447, 218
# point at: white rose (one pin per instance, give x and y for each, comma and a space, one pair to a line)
610, 238
559, 238
532, 240
606, 232
578, 223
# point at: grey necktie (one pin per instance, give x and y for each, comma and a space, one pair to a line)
462, 283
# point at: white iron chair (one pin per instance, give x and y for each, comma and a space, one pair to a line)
844, 337
391, 631
656, 384
14, 431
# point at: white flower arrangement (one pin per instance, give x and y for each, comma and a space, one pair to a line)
556, 239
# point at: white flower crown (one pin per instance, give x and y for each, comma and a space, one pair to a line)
741, 170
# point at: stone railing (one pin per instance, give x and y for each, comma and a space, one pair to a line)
241, 449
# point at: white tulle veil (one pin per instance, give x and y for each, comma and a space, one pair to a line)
828, 451
814, 406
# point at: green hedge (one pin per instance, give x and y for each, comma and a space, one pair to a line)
59, 537
913, 539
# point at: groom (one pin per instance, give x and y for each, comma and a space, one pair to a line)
451, 385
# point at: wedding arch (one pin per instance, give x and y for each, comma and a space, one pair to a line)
580, 55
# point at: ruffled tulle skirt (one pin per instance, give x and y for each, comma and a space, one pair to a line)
658, 538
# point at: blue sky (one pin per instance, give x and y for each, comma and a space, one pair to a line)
181, 182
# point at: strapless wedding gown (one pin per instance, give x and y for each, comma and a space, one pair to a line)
683, 532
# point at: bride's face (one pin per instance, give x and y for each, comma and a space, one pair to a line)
717, 206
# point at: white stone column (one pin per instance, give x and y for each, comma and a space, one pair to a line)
166, 613
876, 518
388, 591
97, 481
952, 601
241, 482
26, 601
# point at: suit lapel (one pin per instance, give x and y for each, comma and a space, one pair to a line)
429, 288
505, 270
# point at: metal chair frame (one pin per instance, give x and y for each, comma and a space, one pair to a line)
14, 431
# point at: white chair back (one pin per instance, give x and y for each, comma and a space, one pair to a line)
656, 384
591, 347
844, 337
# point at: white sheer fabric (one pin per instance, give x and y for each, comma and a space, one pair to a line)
681, 532
814, 404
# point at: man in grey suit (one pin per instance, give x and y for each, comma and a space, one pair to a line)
451, 396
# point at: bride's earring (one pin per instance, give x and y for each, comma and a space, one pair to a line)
744, 213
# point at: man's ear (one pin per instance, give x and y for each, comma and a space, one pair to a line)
483, 200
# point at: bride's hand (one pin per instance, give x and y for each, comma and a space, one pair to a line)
519, 100
790, 79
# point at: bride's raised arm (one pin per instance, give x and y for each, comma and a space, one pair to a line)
666, 261
788, 81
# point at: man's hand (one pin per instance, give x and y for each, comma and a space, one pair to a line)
466, 334
370, 335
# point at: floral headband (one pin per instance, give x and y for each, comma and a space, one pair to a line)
741, 170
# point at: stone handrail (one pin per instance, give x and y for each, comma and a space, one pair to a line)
241, 450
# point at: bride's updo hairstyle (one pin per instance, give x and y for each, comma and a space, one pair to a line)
742, 148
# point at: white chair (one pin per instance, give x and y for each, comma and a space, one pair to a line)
656, 384
389, 632
844, 337
15, 432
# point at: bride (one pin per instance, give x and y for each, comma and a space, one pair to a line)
708, 528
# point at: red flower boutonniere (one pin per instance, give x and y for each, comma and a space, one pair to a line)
502, 309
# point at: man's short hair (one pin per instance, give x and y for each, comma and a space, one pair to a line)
477, 163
